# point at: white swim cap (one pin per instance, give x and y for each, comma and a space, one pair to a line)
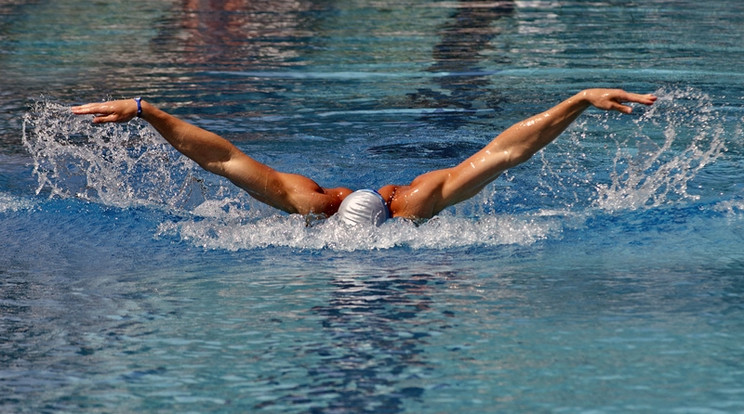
363, 207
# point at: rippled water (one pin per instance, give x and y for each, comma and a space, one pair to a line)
604, 275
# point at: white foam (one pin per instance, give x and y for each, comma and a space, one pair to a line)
9, 203
233, 232
730, 207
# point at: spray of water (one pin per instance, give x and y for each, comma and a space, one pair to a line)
10, 203
131, 165
672, 142
117, 165
230, 233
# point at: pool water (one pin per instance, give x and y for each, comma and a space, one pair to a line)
605, 275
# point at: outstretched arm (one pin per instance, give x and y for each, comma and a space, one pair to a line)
432, 192
288, 192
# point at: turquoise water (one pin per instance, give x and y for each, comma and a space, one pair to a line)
605, 275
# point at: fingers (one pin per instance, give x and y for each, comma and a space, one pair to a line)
84, 109
615, 99
114, 111
99, 119
96, 109
646, 99
622, 108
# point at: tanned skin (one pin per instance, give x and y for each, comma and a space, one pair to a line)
423, 198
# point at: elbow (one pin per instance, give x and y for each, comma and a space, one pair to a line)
211, 166
516, 156
222, 163
217, 167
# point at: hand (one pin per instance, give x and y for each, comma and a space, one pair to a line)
113, 111
613, 99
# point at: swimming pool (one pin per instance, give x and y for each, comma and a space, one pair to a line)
605, 275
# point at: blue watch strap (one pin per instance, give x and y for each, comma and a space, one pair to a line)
139, 107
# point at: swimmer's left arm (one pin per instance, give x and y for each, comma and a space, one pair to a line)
521, 141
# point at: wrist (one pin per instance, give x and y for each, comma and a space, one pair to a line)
583, 98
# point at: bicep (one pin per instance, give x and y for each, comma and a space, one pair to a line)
291, 193
468, 178
436, 190
432, 192
258, 179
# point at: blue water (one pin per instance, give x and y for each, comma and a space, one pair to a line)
606, 275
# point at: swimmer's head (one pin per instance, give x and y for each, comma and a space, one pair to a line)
363, 207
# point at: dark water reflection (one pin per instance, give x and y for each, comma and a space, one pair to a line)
180, 54
238, 34
465, 38
374, 359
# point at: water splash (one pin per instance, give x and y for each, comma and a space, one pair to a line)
120, 165
9, 203
130, 165
230, 229
648, 171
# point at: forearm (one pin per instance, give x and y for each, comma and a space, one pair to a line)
290, 192
523, 139
209, 150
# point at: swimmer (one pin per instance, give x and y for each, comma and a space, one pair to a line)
423, 198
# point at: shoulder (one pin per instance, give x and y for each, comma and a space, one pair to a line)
412, 201
388, 192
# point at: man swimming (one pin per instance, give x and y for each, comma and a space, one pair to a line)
424, 197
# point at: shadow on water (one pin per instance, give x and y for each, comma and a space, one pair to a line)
457, 150
373, 360
237, 33
458, 56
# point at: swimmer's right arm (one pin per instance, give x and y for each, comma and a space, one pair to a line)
209, 150
291, 193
